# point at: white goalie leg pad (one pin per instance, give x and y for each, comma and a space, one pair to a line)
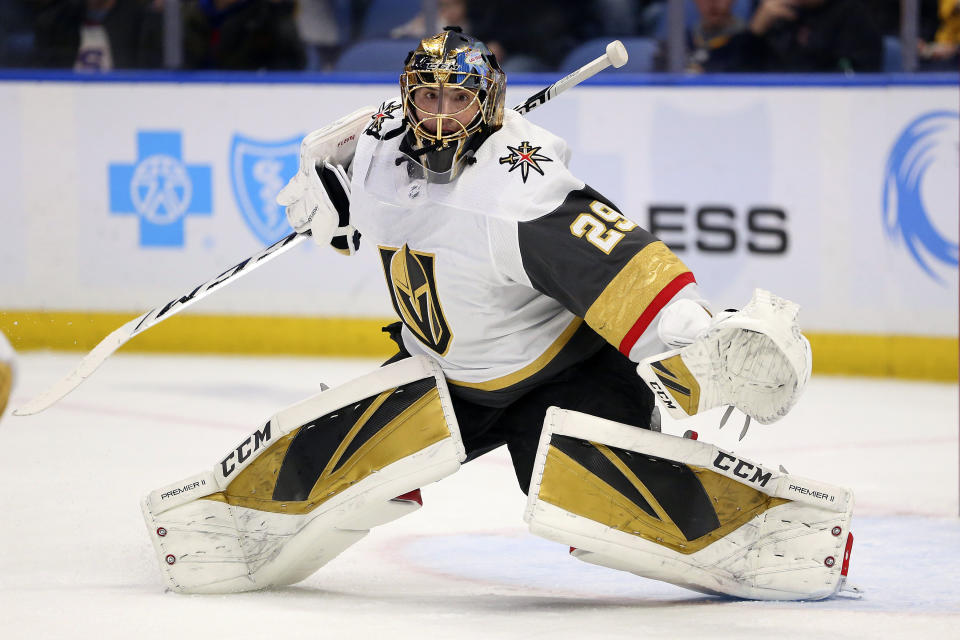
8, 371
309, 484
687, 512
755, 359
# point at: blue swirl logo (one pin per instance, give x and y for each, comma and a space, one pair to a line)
906, 216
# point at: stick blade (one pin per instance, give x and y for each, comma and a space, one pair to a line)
85, 369
49, 397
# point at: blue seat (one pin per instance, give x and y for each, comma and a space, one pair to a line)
641, 52
892, 54
384, 15
742, 9
376, 55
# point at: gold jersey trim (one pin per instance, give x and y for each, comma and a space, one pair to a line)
632, 290
528, 371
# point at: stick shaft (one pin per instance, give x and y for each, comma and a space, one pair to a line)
588, 70
106, 347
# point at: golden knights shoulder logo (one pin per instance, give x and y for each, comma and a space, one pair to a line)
384, 113
525, 157
413, 289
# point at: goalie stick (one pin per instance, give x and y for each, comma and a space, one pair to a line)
616, 56
122, 335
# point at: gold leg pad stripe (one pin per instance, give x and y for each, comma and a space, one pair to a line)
415, 428
571, 486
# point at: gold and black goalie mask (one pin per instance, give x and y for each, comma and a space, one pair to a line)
453, 96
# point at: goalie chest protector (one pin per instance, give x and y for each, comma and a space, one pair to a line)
451, 257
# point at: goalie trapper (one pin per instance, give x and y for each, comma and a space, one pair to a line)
687, 512
755, 359
311, 482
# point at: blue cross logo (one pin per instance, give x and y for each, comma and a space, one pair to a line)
160, 188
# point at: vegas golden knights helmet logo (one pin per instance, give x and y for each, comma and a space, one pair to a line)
413, 289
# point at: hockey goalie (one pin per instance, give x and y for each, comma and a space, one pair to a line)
535, 314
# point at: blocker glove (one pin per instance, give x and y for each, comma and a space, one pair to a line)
318, 201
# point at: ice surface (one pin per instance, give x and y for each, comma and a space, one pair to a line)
75, 560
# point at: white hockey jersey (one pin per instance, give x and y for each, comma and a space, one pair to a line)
513, 271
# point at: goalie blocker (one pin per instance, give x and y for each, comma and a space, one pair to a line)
686, 512
311, 482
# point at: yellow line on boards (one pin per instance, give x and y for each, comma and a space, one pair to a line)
897, 356
190, 333
917, 357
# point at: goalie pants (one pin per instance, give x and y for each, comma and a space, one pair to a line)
605, 385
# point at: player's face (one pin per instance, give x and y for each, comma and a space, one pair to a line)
448, 108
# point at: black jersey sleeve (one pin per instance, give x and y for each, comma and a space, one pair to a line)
601, 266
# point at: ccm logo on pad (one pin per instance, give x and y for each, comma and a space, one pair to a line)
741, 469
664, 396
247, 448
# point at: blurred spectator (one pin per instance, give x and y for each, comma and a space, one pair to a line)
538, 33
708, 40
241, 35
98, 35
943, 54
804, 36
449, 13
320, 32
949, 31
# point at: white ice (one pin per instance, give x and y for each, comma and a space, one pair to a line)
75, 560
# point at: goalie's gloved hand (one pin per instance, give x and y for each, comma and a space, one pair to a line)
684, 320
681, 322
755, 359
318, 201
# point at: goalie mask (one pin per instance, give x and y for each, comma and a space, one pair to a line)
453, 96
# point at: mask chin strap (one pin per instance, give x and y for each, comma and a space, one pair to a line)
416, 153
468, 153
436, 146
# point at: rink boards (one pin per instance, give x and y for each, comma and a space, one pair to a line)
843, 196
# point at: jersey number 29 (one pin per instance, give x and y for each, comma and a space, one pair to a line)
595, 228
